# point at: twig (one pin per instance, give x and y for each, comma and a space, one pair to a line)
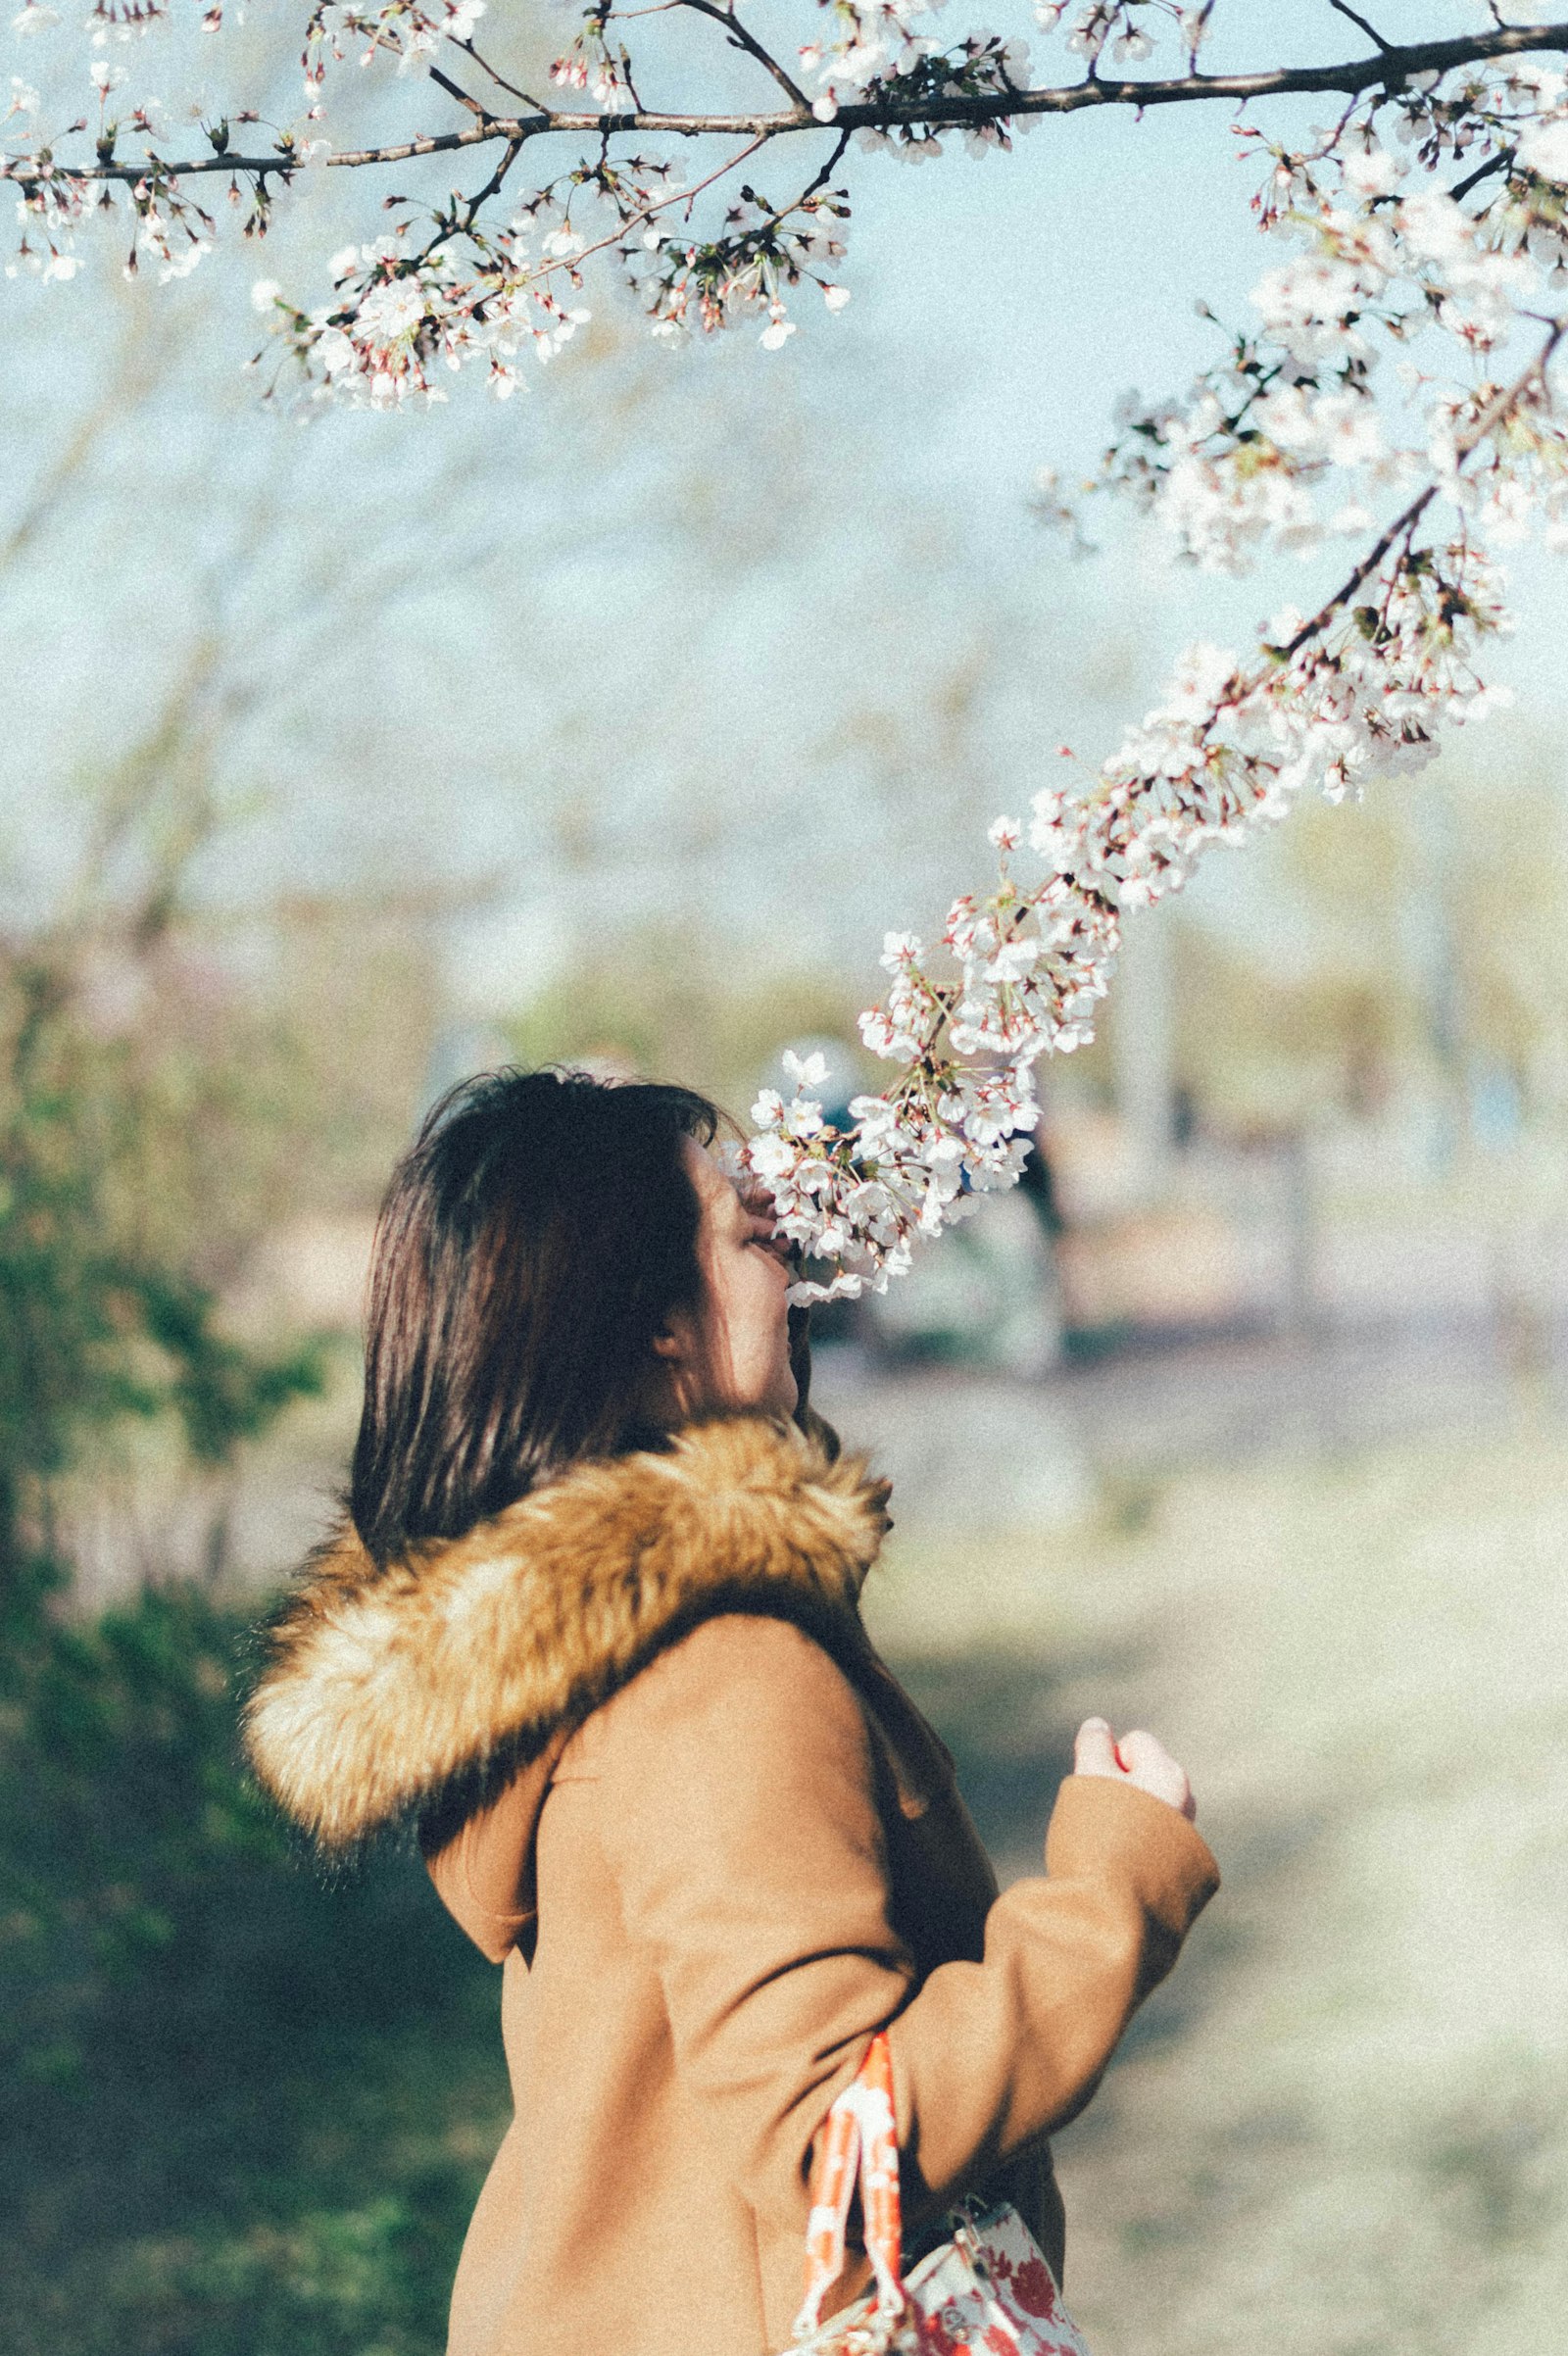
500, 80
1502, 161
1341, 7
742, 37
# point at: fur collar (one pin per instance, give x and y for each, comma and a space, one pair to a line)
419, 1689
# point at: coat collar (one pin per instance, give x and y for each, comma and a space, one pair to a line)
417, 1689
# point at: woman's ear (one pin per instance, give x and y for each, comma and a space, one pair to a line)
679, 1339
677, 1370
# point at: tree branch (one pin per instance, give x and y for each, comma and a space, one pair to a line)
1390, 69
1502, 405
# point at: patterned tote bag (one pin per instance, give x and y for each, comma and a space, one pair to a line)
988, 2292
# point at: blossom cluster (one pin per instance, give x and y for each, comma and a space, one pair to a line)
1127, 30
1283, 447
1017, 975
1286, 443
393, 326
760, 254
871, 42
409, 31
597, 65
405, 312
982, 65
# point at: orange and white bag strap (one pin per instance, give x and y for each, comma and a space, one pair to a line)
860, 2138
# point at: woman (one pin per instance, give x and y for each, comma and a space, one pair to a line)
595, 1626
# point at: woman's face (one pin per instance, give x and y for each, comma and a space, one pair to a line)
734, 1351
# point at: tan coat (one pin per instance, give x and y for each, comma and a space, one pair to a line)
662, 1774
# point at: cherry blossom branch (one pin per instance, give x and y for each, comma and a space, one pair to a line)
1495, 414
1390, 69
1348, 689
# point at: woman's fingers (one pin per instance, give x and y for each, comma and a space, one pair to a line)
1151, 1768
1095, 1750
1139, 1759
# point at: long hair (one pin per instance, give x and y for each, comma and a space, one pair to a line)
532, 1243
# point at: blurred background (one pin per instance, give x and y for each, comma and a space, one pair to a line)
345, 754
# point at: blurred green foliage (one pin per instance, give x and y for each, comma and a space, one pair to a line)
94, 1325
241, 2114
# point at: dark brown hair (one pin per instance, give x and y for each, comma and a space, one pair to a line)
532, 1243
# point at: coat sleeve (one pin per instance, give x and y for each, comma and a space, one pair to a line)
736, 1781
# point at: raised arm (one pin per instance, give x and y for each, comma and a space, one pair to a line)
739, 1801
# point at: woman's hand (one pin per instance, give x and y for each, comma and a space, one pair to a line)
1137, 1758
